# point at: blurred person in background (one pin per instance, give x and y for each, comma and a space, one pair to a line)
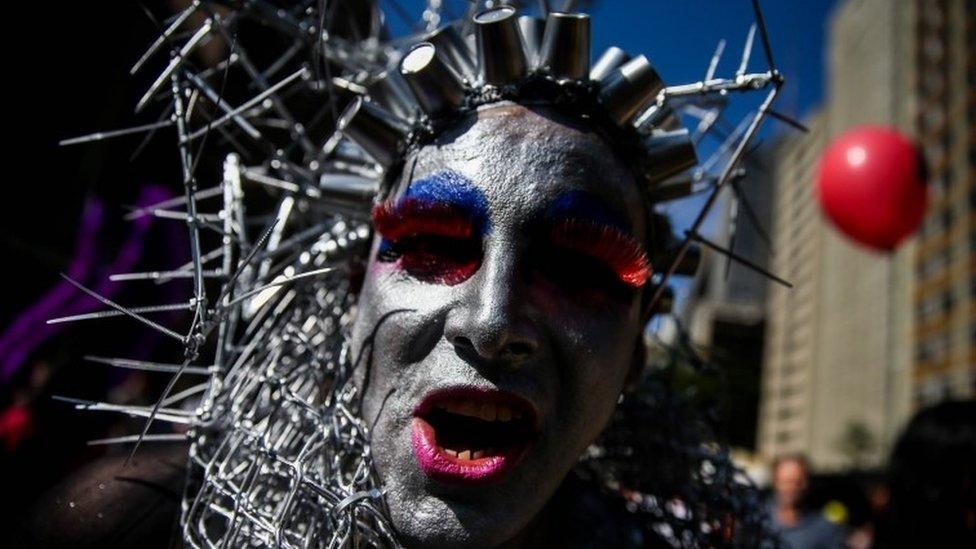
932, 481
798, 526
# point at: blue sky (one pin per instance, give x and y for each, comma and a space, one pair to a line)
680, 36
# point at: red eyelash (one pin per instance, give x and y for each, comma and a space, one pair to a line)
621, 252
411, 217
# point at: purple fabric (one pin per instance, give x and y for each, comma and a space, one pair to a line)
29, 329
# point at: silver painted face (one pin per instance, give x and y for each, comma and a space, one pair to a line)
515, 313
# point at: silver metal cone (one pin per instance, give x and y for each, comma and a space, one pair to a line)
532, 29
565, 51
629, 88
667, 153
347, 193
434, 84
611, 59
454, 50
388, 90
657, 117
378, 132
501, 51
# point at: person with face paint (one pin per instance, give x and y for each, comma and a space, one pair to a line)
461, 362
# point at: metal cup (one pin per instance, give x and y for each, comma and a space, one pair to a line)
453, 50
434, 84
501, 52
378, 132
348, 189
657, 117
565, 51
629, 88
532, 29
667, 153
389, 91
611, 60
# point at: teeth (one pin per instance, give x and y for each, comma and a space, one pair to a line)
450, 452
478, 454
466, 454
488, 412
485, 411
468, 408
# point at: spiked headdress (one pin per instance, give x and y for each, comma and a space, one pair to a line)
279, 454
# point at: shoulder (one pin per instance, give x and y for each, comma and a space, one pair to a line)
107, 505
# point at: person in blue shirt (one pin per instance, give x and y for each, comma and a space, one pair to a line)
798, 526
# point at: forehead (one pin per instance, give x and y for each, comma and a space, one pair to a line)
524, 158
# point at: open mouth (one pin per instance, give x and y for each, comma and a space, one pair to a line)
471, 435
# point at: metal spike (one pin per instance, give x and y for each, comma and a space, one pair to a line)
99, 136
175, 63
106, 301
716, 57
736, 257
163, 275
215, 97
175, 201
162, 437
115, 313
747, 51
764, 35
165, 36
792, 122
301, 73
132, 364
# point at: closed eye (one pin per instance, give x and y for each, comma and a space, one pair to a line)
411, 217
609, 245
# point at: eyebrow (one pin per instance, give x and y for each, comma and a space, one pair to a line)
581, 222
442, 204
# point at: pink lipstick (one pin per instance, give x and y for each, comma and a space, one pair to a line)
467, 435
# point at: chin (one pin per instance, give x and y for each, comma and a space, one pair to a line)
435, 522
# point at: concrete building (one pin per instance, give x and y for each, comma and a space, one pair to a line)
864, 338
944, 297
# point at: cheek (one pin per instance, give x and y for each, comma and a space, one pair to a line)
594, 350
396, 326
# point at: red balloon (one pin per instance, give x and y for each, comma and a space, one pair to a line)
872, 185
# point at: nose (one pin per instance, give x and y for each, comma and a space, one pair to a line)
492, 318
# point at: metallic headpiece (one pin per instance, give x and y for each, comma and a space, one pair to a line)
279, 453
524, 59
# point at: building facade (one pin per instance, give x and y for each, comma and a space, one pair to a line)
865, 338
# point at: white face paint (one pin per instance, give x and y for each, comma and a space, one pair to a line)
511, 350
